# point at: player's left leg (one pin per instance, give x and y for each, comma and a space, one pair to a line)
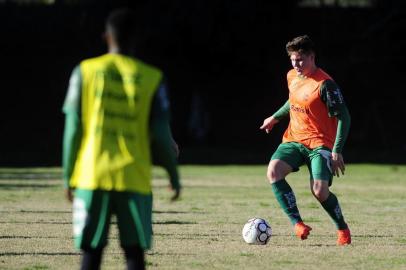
91, 259
91, 218
330, 203
321, 179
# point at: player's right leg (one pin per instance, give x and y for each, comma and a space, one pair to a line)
134, 220
91, 217
134, 257
287, 158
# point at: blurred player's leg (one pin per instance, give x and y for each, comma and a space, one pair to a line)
91, 259
135, 258
91, 219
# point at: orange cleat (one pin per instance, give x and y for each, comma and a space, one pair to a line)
344, 237
302, 230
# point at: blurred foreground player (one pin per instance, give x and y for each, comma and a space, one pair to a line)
318, 127
116, 111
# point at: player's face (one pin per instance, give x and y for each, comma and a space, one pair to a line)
303, 63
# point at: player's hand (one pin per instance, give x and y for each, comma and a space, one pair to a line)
69, 194
337, 163
176, 194
269, 123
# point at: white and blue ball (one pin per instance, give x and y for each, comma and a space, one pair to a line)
257, 231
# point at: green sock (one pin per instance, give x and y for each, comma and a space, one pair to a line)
333, 208
287, 200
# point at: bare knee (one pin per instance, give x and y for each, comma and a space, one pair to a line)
320, 190
320, 195
277, 170
271, 174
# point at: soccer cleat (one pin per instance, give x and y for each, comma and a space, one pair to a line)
302, 230
343, 237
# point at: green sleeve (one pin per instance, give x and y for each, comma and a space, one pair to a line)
73, 128
73, 97
343, 128
331, 95
161, 138
283, 111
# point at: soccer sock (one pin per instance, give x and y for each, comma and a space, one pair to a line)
134, 257
91, 259
287, 200
333, 208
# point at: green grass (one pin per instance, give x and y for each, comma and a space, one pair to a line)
203, 229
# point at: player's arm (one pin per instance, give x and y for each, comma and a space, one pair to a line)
73, 128
283, 111
332, 97
280, 114
163, 146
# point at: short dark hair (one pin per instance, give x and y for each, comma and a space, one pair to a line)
121, 23
301, 44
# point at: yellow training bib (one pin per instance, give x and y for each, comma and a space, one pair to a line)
117, 92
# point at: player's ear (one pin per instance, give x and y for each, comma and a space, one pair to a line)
313, 56
104, 37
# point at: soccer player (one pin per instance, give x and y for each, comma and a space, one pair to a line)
318, 128
116, 110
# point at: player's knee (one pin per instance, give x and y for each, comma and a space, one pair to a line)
320, 194
277, 170
269, 175
273, 174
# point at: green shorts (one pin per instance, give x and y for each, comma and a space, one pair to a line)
318, 160
92, 211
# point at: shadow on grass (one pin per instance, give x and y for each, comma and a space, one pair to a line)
322, 245
26, 237
151, 253
169, 212
29, 176
70, 212
31, 186
371, 236
3, 254
39, 211
167, 222
172, 222
36, 222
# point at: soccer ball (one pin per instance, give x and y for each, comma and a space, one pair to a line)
257, 231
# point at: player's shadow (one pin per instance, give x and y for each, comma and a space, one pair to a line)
322, 245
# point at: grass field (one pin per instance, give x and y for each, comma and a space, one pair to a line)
203, 229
